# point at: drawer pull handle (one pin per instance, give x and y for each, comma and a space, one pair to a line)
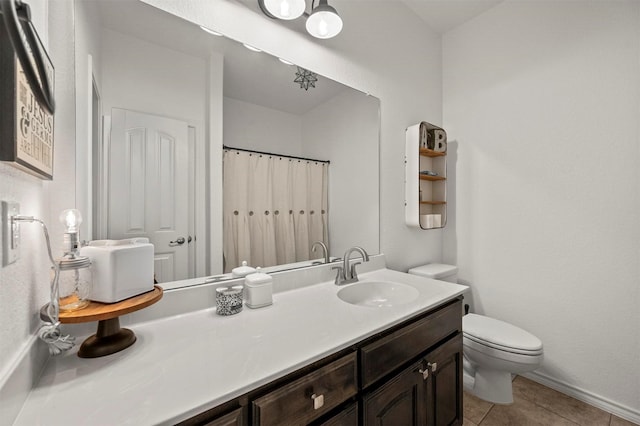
318, 401
425, 373
433, 366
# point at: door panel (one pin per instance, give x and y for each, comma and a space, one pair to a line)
149, 170
400, 401
445, 384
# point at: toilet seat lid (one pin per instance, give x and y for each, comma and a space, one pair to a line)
500, 335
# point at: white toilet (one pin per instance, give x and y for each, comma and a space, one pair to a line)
493, 349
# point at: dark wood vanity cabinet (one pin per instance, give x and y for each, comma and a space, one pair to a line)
428, 392
310, 397
234, 418
444, 386
399, 401
410, 374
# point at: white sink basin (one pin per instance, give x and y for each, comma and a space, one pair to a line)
378, 294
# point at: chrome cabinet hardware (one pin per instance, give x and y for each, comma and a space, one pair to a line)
318, 401
424, 372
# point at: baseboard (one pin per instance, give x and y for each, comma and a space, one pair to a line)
20, 377
624, 412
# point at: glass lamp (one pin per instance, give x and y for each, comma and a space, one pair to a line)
75, 275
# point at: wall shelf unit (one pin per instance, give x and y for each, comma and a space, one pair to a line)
425, 181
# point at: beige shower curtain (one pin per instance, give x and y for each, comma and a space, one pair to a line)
275, 208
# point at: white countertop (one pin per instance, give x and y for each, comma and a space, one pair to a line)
183, 365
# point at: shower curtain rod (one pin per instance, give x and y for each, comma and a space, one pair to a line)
276, 155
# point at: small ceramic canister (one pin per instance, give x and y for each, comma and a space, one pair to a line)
259, 289
242, 271
229, 300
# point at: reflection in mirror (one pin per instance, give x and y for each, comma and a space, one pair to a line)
172, 95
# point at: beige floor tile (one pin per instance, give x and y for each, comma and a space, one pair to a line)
562, 405
475, 409
617, 421
523, 413
467, 422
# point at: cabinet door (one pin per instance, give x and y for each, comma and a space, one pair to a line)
444, 387
346, 417
400, 401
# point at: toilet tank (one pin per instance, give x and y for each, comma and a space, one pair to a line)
437, 271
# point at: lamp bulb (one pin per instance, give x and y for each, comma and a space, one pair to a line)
71, 219
323, 28
284, 9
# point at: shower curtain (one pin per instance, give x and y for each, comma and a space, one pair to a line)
274, 209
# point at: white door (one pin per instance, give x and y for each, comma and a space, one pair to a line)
148, 187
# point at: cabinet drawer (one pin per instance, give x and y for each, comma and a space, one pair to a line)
392, 351
310, 396
235, 418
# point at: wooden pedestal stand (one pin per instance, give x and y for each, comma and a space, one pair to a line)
109, 338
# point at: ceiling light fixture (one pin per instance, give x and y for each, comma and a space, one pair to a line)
305, 78
253, 49
283, 9
323, 22
215, 33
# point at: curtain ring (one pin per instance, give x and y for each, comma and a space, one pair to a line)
266, 212
251, 213
235, 212
277, 212
301, 211
290, 211
311, 212
322, 211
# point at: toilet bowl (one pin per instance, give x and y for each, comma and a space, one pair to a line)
493, 350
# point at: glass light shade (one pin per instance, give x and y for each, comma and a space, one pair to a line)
285, 9
324, 22
71, 219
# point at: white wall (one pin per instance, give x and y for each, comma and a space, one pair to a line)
341, 130
24, 285
401, 65
255, 127
542, 101
146, 77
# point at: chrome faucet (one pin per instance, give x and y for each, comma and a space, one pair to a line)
325, 250
346, 274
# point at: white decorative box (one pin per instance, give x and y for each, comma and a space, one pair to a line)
258, 289
121, 268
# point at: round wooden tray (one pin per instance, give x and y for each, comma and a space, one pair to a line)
109, 338
97, 311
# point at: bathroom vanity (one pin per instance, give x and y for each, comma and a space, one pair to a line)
310, 358
409, 374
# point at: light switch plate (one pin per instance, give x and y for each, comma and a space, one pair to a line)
10, 233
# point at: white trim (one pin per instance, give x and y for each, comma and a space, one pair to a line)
103, 196
19, 377
622, 411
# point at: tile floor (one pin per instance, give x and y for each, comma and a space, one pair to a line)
536, 405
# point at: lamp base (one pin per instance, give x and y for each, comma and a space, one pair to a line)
109, 339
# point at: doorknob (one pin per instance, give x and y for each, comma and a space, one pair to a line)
178, 242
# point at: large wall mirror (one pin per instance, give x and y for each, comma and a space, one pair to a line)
170, 106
